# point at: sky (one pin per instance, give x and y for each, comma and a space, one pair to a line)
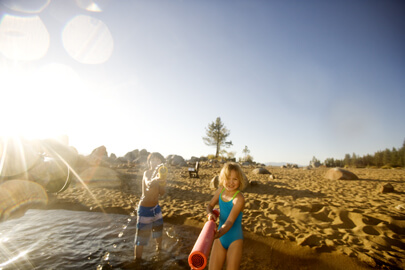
290, 79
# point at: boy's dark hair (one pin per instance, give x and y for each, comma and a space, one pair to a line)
156, 155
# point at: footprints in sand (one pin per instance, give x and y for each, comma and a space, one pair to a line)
348, 216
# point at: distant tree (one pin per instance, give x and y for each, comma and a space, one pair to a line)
394, 157
346, 160
231, 155
329, 162
378, 158
246, 153
368, 160
315, 162
249, 158
353, 160
387, 157
401, 155
216, 135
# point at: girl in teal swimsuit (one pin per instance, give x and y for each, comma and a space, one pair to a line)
229, 237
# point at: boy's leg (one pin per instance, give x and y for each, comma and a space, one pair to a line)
138, 252
157, 229
158, 244
143, 231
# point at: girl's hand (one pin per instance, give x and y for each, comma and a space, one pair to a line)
217, 234
212, 216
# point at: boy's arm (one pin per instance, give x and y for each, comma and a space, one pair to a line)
143, 181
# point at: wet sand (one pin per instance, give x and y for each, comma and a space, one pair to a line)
294, 219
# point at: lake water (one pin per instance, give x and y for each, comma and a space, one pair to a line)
62, 239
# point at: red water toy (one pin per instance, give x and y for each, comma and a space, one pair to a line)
198, 257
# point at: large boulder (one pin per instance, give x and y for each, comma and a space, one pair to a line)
59, 151
98, 156
100, 152
140, 160
17, 156
45, 162
214, 182
100, 177
144, 152
340, 174
17, 196
261, 171
130, 156
176, 160
194, 160
112, 158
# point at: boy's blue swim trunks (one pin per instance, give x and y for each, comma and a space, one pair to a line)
149, 220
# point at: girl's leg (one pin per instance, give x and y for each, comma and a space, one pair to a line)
218, 255
234, 255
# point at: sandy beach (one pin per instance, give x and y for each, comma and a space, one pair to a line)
294, 218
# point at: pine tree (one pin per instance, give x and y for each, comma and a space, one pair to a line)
216, 135
353, 161
246, 153
387, 157
402, 155
347, 159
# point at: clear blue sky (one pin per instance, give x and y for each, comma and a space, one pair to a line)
290, 79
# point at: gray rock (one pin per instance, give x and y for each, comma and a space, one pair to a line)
261, 171
340, 174
386, 188
214, 182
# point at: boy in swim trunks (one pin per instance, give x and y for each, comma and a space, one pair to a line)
149, 213
229, 237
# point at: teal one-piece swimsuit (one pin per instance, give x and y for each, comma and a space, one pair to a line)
235, 233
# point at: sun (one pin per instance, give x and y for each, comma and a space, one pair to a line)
39, 103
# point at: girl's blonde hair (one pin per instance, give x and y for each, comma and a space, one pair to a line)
226, 171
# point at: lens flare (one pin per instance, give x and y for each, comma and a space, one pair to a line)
32, 6
87, 40
23, 38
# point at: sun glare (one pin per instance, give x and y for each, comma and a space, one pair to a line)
17, 35
87, 40
41, 103
38, 100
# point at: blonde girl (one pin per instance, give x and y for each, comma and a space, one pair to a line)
229, 236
